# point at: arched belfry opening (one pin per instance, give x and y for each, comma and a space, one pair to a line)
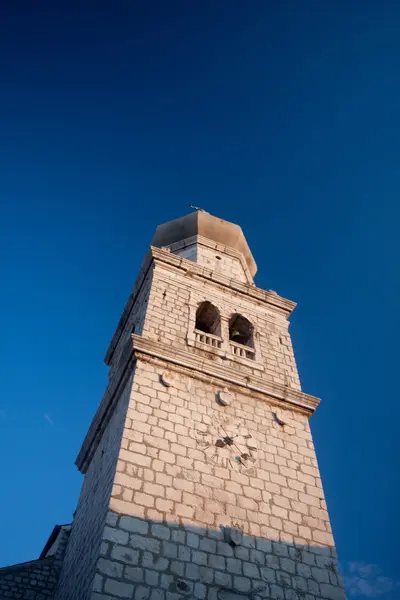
241, 331
208, 318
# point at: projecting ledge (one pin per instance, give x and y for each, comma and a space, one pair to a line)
288, 396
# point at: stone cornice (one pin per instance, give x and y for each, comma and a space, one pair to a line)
139, 347
254, 383
273, 300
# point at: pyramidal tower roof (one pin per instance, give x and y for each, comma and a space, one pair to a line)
201, 223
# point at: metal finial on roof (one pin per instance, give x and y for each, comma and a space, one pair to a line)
197, 208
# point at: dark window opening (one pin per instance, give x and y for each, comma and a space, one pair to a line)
208, 319
241, 331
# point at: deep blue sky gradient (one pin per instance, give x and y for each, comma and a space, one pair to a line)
280, 116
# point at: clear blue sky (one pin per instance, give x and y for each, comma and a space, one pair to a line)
281, 116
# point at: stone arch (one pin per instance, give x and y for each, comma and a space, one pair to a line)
241, 330
208, 318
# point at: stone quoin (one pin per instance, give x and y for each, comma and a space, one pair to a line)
200, 474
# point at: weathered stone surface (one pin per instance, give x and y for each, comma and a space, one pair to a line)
37, 579
156, 505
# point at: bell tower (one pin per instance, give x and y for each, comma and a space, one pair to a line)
201, 479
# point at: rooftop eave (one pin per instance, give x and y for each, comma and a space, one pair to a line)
204, 224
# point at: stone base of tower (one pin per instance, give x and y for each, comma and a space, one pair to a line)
149, 559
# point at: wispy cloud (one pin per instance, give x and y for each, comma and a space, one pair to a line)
366, 580
48, 418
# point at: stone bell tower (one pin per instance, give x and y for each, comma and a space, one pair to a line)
201, 479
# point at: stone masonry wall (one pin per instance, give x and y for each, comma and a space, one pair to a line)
170, 316
134, 321
188, 252
34, 580
213, 259
163, 538
79, 564
221, 263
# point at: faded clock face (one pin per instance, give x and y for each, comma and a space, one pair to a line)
227, 443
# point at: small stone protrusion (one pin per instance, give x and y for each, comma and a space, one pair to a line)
167, 378
279, 417
224, 397
182, 586
233, 536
